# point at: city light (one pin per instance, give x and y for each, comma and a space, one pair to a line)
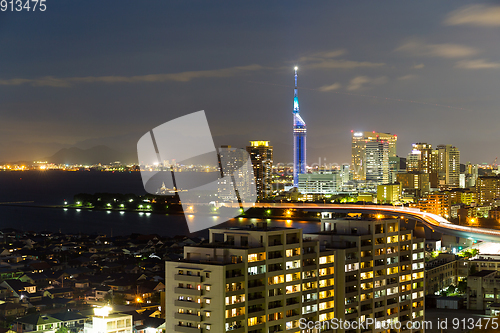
103, 311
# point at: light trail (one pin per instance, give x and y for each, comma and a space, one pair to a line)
433, 221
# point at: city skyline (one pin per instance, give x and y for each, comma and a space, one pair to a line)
110, 87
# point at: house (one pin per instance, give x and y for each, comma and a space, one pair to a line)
38, 279
12, 310
82, 284
101, 293
50, 322
58, 293
18, 287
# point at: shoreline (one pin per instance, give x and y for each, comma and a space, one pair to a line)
275, 217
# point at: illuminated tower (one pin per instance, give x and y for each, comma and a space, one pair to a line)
299, 138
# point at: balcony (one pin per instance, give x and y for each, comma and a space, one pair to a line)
187, 329
188, 291
187, 316
187, 304
189, 278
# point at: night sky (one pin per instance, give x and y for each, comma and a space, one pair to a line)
85, 73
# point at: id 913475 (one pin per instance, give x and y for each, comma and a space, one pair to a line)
23, 5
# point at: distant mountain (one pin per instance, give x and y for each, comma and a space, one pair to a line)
94, 155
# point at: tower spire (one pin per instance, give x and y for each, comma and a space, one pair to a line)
296, 94
299, 138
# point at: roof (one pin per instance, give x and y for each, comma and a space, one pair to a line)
18, 285
37, 319
68, 315
483, 273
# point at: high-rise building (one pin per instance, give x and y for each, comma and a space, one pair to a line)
377, 162
233, 160
414, 184
358, 156
264, 279
261, 155
420, 158
397, 165
250, 280
299, 138
487, 189
448, 166
379, 270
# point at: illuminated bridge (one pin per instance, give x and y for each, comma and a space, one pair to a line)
434, 222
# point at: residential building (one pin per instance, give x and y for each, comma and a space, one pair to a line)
261, 155
442, 272
487, 189
482, 289
389, 193
448, 166
320, 182
379, 268
414, 183
435, 203
263, 279
106, 321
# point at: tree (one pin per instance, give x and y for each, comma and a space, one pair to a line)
473, 269
462, 287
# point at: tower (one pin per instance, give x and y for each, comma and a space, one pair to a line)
299, 138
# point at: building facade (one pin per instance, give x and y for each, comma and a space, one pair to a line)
377, 162
322, 182
261, 155
448, 166
358, 153
264, 279
487, 189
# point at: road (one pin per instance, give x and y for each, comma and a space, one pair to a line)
435, 222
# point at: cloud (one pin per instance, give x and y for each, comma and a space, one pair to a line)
418, 47
329, 60
476, 15
407, 77
419, 66
331, 87
323, 55
360, 82
50, 81
477, 64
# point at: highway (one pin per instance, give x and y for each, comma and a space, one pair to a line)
435, 222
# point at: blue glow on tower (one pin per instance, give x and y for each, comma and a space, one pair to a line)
299, 138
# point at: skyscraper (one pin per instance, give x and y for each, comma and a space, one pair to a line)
261, 154
448, 165
299, 138
377, 162
358, 156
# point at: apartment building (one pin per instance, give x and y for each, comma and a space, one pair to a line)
482, 289
249, 280
445, 270
379, 269
264, 279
